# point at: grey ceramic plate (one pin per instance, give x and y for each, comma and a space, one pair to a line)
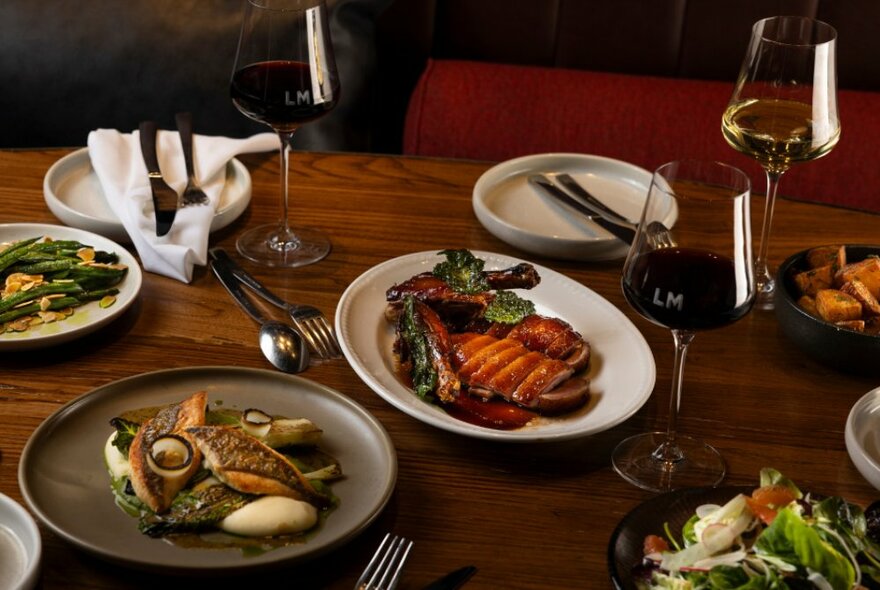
64, 481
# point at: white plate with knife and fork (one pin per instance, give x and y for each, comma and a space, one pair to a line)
74, 195
517, 213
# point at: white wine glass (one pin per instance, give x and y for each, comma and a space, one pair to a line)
783, 110
699, 276
284, 76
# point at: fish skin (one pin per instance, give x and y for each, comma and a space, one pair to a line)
151, 488
247, 465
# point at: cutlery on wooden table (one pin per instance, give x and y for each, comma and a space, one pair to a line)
193, 193
453, 580
282, 345
623, 230
164, 197
383, 571
309, 320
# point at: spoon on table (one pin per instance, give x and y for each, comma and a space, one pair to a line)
283, 346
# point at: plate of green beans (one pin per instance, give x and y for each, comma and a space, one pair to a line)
59, 283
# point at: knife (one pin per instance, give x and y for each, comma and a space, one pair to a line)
625, 233
577, 190
453, 580
164, 197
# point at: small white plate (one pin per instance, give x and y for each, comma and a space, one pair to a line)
622, 370
86, 318
862, 436
74, 195
20, 546
518, 214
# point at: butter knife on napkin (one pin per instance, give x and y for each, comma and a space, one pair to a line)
164, 197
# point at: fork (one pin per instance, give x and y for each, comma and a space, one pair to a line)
383, 571
307, 319
192, 194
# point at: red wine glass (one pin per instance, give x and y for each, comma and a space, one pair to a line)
698, 275
284, 76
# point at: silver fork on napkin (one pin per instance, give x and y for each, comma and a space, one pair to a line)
192, 194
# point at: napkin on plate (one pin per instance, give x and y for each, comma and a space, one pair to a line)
117, 161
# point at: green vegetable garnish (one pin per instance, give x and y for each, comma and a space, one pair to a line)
424, 375
462, 271
508, 308
125, 433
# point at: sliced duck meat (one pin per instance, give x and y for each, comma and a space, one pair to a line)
491, 367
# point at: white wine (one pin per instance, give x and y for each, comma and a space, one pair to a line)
776, 132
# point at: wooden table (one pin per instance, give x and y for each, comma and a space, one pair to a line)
529, 516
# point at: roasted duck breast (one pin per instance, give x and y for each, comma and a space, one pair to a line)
505, 367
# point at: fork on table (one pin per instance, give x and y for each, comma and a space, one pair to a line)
383, 571
307, 319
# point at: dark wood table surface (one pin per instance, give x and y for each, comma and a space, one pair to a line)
527, 515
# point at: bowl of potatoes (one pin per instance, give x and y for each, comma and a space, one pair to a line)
828, 303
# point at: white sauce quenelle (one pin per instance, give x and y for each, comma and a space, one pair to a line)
269, 516
117, 464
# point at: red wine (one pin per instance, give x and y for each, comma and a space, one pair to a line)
281, 93
687, 289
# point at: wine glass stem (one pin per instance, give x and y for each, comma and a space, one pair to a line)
668, 452
763, 278
284, 233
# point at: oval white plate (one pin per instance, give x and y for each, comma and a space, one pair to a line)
622, 370
20, 546
74, 195
518, 214
62, 463
862, 436
86, 318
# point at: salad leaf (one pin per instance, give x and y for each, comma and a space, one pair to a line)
462, 271
770, 477
794, 541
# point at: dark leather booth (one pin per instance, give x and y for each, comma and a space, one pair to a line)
69, 67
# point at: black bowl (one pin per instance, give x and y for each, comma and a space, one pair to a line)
672, 508
842, 349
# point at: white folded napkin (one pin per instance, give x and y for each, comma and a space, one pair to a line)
116, 158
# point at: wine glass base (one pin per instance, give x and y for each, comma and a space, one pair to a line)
693, 463
271, 245
765, 293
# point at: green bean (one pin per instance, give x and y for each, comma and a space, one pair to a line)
20, 297
48, 265
33, 308
13, 253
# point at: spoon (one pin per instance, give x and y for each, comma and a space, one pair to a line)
282, 346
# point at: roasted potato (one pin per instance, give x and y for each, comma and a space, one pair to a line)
835, 256
860, 291
867, 271
836, 306
843, 293
811, 281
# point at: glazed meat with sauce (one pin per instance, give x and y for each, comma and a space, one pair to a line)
505, 367
454, 307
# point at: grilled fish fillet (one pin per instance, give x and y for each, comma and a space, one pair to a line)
156, 491
249, 466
